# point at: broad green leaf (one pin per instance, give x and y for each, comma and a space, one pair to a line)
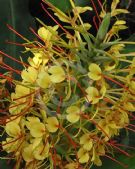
14, 13
63, 5
127, 161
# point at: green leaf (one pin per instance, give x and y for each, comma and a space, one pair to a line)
129, 161
103, 29
16, 14
63, 5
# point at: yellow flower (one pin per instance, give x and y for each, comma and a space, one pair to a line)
19, 103
73, 114
13, 129
95, 72
132, 86
44, 80
72, 165
27, 153
35, 141
10, 145
62, 16
29, 75
21, 90
37, 129
109, 66
114, 10
44, 33
42, 151
115, 50
86, 142
37, 59
52, 124
47, 34
93, 95
95, 158
129, 106
57, 74
83, 155
109, 128
17, 106
82, 9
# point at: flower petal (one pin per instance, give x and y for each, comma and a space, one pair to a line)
95, 72
52, 124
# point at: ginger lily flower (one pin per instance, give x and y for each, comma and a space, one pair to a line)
73, 114
41, 151
57, 74
86, 142
13, 129
44, 80
93, 95
95, 72
83, 155
52, 124
29, 75
37, 129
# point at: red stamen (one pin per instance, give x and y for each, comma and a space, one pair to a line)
55, 20
6, 77
80, 87
68, 136
7, 67
9, 142
20, 44
100, 4
13, 30
22, 63
118, 162
59, 105
129, 129
131, 125
120, 150
54, 157
25, 96
58, 49
96, 124
94, 6
95, 24
122, 145
116, 82
33, 31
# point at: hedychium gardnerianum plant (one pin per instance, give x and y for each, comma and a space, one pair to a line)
76, 94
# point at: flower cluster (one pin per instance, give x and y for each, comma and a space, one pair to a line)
76, 94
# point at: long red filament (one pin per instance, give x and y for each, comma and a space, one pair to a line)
100, 4
118, 162
95, 9
96, 124
120, 150
116, 82
55, 20
13, 30
7, 67
94, 21
12, 58
33, 31
20, 44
